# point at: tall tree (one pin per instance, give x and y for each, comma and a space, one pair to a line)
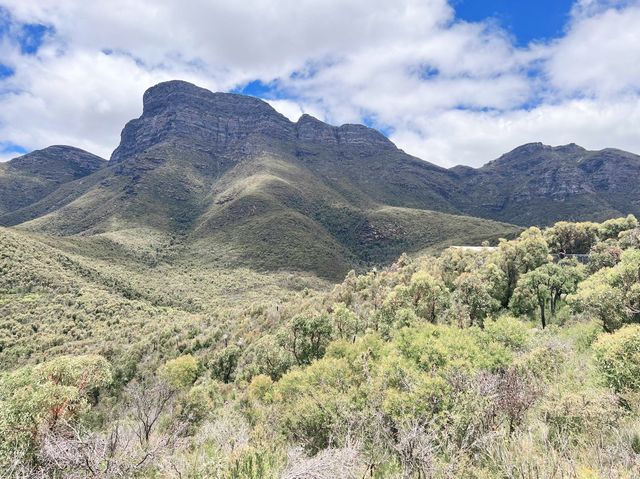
520, 256
572, 238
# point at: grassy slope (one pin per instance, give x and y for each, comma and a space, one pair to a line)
17, 189
101, 295
172, 251
109, 293
277, 214
272, 210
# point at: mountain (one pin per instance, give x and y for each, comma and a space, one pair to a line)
29, 178
539, 184
226, 179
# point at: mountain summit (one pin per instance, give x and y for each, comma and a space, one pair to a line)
540, 184
228, 178
183, 114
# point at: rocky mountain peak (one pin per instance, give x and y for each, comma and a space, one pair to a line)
310, 129
170, 94
29, 178
526, 156
527, 148
189, 117
571, 148
531, 150
178, 112
176, 95
364, 137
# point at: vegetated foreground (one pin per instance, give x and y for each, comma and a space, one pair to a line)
517, 361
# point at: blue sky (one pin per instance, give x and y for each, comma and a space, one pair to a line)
450, 81
10, 148
28, 37
526, 20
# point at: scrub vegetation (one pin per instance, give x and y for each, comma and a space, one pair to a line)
515, 361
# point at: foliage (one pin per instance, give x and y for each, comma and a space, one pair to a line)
180, 372
605, 254
474, 290
611, 229
306, 337
618, 358
224, 363
544, 286
509, 331
612, 294
418, 369
520, 256
36, 400
573, 238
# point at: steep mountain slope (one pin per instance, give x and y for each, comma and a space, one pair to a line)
539, 184
230, 179
29, 178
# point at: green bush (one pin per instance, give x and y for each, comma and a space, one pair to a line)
580, 415
224, 363
509, 331
181, 372
544, 362
34, 400
582, 334
617, 356
439, 347
261, 388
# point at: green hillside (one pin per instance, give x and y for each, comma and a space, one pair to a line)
271, 211
101, 295
30, 178
227, 178
476, 363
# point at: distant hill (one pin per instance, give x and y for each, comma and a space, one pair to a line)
29, 178
537, 184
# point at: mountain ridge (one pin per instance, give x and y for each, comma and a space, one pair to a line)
237, 181
218, 120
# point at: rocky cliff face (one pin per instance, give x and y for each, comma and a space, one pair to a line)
312, 130
183, 115
213, 163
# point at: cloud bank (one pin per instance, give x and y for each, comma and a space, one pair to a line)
448, 91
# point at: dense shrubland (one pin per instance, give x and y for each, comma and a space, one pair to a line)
517, 361
83, 295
